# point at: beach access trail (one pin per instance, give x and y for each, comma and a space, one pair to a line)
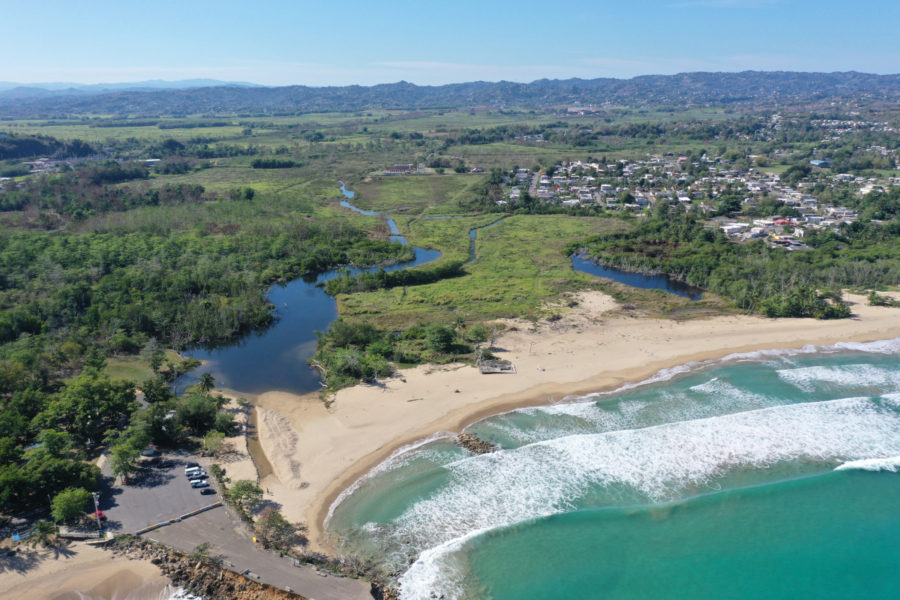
317, 452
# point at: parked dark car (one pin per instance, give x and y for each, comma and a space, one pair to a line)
165, 464
207, 491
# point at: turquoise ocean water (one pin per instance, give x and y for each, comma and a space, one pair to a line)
768, 475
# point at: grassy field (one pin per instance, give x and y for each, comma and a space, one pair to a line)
450, 236
416, 194
134, 368
520, 266
70, 131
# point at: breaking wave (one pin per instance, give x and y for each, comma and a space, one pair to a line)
861, 376
658, 463
891, 463
882, 347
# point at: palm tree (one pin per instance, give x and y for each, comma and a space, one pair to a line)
207, 382
44, 533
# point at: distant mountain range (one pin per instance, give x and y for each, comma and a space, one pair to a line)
749, 88
9, 89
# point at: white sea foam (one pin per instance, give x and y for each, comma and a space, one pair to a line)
891, 399
658, 377
434, 571
891, 463
583, 403
808, 379
662, 462
177, 593
391, 462
727, 396
890, 346
711, 398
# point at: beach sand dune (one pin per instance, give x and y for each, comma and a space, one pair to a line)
318, 451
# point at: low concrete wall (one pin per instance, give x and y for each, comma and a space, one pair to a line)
178, 519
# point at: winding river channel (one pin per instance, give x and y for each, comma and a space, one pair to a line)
275, 358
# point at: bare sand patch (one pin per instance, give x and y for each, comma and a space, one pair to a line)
235, 455
79, 571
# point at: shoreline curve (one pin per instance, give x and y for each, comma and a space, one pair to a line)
317, 453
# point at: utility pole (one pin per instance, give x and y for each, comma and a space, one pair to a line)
96, 495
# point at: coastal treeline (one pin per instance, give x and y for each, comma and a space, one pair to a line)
69, 299
51, 430
119, 290
351, 351
755, 276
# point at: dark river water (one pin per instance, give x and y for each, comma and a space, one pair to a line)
647, 282
275, 358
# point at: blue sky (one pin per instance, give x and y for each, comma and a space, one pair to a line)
284, 42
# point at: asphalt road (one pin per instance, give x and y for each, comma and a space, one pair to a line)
158, 495
231, 542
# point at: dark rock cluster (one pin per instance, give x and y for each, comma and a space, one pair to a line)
474, 444
380, 591
201, 577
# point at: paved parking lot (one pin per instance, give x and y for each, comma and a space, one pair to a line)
157, 495
151, 496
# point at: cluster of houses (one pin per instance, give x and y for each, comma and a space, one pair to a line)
45, 165
839, 127
638, 185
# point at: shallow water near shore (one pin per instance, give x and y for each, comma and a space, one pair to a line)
771, 475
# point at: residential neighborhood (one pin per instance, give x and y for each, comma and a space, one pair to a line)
702, 184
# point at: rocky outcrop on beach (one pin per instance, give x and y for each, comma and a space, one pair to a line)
380, 591
199, 576
474, 444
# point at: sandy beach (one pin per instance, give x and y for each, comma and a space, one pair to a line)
78, 571
315, 452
